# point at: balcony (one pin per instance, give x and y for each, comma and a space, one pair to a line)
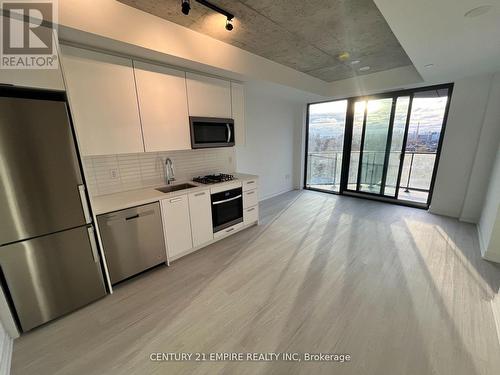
324, 171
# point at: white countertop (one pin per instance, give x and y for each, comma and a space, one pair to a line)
126, 199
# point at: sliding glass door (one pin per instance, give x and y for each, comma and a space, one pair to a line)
396, 146
377, 145
383, 146
374, 139
326, 145
420, 154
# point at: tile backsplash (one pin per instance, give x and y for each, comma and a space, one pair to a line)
115, 173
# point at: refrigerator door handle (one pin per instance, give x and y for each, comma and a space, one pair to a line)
93, 244
85, 204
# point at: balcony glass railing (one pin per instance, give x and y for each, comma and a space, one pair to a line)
324, 170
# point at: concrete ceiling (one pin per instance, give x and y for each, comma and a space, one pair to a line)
308, 36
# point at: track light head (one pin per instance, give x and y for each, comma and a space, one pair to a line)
185, 6
229, 24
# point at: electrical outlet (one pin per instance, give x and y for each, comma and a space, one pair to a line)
113, 173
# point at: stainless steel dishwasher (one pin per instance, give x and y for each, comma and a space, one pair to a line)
133, 240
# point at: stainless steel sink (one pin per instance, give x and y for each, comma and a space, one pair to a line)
171, 188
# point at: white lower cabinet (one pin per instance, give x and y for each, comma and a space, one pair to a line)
228, 231
250, 202
187, 219
250, 215
201, 217
250, 184
250, 198
177, 225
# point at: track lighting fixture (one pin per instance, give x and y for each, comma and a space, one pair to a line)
186, 7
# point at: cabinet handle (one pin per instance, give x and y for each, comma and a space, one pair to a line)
200, 194
175, 200
229, 230
250, 182
250, 192
251, 209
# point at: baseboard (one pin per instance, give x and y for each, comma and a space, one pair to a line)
485, 254
482, 246
495, 306
6, 355
263, 198
442, 212
468, 220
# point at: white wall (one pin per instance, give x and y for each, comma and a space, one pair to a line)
273, 141
489, 223
485, 156
463, 129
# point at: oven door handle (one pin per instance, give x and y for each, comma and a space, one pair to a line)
227, 200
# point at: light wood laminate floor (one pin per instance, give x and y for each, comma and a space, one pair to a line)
402, 291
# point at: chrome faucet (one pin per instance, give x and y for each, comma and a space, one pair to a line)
169, 171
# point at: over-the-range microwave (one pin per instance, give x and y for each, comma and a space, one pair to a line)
211, 132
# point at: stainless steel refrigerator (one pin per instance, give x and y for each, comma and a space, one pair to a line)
49, 262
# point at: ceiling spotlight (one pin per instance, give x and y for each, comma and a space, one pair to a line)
355, 62
185, 6
344, 56
478, 11
428, 65
364, 68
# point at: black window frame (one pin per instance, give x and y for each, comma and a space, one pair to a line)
346, 153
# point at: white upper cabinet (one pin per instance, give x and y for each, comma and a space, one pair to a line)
103, 102
208, 96
50, 79
163, 107
238, 112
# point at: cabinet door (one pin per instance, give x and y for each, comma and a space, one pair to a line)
103, 102
238, 112
163, 107
208, 96
201, 217
177, 226
250, 198
250, 215
38, 78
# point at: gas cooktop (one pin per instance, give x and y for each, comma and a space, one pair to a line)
214, 178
